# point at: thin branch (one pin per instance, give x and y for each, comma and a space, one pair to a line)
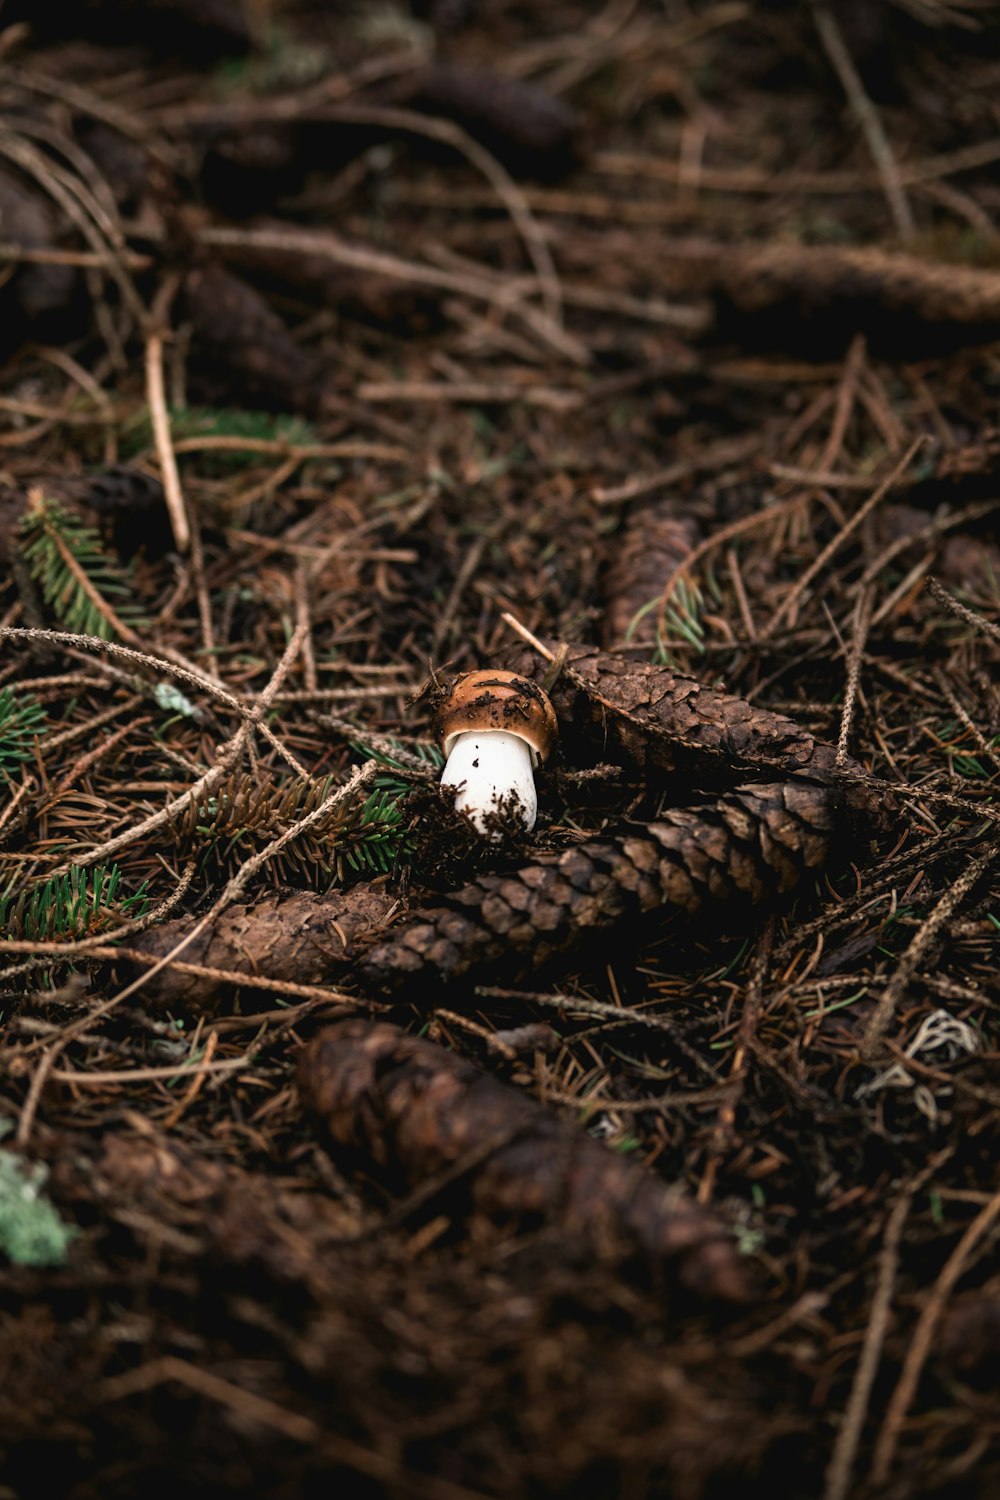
500, 180
505, 294
250, 714
34, 1094
67, 190
902, 1396
911, 960
248, 1407
855, 656
526, 636
816, 567
464, 576
144, 1075
962, 611
961, 713
868, 118
157, 401
237, 978
838, 1474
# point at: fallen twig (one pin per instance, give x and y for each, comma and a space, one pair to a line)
160, 418
902, 1396
832, 38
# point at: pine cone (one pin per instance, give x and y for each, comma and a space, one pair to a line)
237, 337
409, 1105
654, 542
655, 719
750, 847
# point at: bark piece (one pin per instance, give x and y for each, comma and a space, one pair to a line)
749, 848
818, 277
409, 1105
245, 167
967, 559
302, 937
127, 503
243, 1216
13, 506
813, 298
657, 720
133, 176
969, 1336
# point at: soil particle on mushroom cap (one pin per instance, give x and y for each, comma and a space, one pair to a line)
497, 700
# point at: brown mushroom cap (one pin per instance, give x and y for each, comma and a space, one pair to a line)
485, 701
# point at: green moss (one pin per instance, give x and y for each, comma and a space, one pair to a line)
31, 1231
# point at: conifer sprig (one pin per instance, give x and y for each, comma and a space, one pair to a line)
73, 905
86, 590
360, 837
189, 423
22, 717
374, 839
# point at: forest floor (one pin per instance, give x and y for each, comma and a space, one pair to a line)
652, 351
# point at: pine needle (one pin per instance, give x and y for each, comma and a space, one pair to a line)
22, 717
73, 905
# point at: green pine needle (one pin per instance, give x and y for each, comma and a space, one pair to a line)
367, 836
207, 421
683, 618
375, 839
22, 717
73, 905
431, 756
50, 537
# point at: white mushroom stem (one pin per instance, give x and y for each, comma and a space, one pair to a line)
492, 770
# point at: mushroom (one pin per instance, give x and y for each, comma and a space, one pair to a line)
495, 728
